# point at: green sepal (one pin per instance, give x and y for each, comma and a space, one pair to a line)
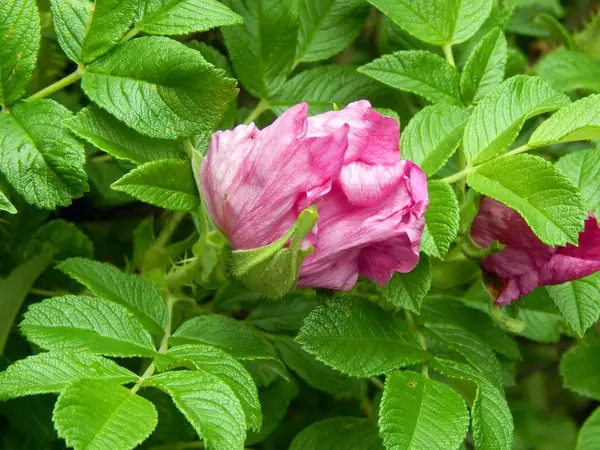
273, 270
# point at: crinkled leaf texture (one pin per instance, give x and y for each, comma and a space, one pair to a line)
323, 86
359, 338
408, 290
491, 419
53, 371
209, 404
576, 122
441, 219
417, 71
167, 183
583, 169
19, 45
38, 155
339, 433
536, 189
328, 26
589, 435
484, 69
97, 415
139, 295
178, 17
568, 70
87, 29
433, 135
264, 48
160, 88
496, 121
580, 369
86, 323
418, 413
226, 333
578, 301
472, 348
437, 22
104, 131
214, 361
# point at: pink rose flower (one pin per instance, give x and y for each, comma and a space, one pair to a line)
526, 262
370, 203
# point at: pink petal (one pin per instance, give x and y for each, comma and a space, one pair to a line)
254, 199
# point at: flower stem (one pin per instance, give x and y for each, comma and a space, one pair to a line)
262, 106
163, 347
60, 84
413, 327
448, 54
463, 173
377, 383
132, 33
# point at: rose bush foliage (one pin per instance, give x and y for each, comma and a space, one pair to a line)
303, 224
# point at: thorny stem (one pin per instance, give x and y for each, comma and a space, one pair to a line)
262, 106
75, 76
463, 173
163, 347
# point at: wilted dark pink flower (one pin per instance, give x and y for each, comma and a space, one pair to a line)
371, 204
526, 262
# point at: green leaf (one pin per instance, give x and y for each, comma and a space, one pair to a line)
315, 373
473, 349
442, 309
178, 94
578, 121
328, 26
441, 219
580, 369
407, 290
419, 413
432, 136
536, 189
484, 69
491, 418
167, 183
97, 415
589, 435
286, 314
578, 301
215, 361
209, 405
498, 118
87, 29
6, 205
61, 239
542, 319
86, 323
568, 70
417, 71
19, 45
323, 86
53, 371
118, 140
583, 169
226, 333
437, 22
359, 338
275, 400
178, 17
339, 433
39, 157
263, 50
137, 294
15, 288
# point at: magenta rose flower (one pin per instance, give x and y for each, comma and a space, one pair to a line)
526, 262
370, 203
